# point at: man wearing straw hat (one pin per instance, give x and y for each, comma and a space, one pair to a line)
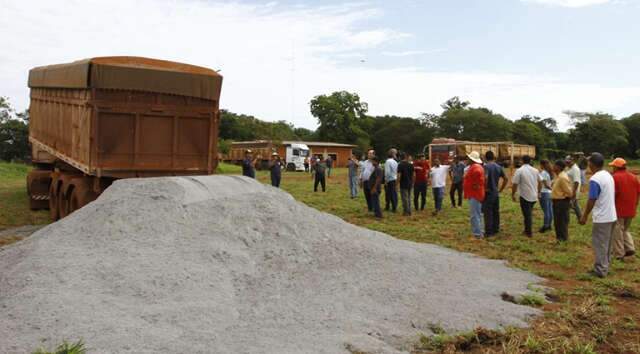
275, 166
474, 185
248, 164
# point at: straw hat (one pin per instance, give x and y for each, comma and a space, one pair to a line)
475, 157
274, 154
618, 162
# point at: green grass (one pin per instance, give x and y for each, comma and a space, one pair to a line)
65, 348
14, 203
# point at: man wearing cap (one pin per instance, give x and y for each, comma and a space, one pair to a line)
319, 171
275, 166
627, 189
602, 196
474, 185
573, 171
248, 164
526, 182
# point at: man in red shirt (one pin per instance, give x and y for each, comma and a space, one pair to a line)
421, 168
474, 191
627, 197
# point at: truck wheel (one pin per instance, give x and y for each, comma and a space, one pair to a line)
53, 198
38, 185
291, 167
63, 201
81, 194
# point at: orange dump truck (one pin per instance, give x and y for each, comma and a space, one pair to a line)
96, 120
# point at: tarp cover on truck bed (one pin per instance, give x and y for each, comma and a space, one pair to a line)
130, 73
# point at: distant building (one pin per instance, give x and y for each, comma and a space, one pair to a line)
291, 151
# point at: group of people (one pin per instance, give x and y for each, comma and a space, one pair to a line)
612, 201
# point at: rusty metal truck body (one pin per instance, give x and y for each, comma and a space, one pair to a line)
506, 152
100, 119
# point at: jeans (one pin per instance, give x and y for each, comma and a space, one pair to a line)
527, 213
353, 186
575, 205
367, 194
491, 210
275, 180
561, 218
475, 207
420, 190
547, 209
405, 195
375, 204
391, 196
319, 180
601, 241
456, 187
438, 195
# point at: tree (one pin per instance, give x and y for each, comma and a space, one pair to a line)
600, 132
340, 116
461, 122
527, 132
14, 133
632, 123
454, 103
239, 127
403, 133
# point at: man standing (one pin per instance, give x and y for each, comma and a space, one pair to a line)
329, 163
375, 181
275, 167
546, 203
561, 194
602, 196
438, 183
390, 177
474, 191
457, 175
406, 177
627, 190
526, 181
421, 168
491, 205
319, 170
352, 165
573, 171
248, 164
365, 174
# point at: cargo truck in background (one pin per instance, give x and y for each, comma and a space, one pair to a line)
97, 120
507, 153
293, 153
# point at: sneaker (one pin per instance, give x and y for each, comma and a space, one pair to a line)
630, 253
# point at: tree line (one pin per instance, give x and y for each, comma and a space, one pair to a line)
342, 117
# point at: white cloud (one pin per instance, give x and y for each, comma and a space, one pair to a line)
408, 53
570, 3
274, 58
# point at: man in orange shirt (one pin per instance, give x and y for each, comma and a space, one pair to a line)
627, 190
474, 191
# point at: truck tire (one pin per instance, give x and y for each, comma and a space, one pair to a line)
65, 188
54, 212
291, 167
81, 193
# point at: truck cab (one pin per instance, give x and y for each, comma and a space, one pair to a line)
295, 156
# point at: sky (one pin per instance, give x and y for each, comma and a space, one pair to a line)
403, 57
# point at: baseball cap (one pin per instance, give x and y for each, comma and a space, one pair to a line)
618, 162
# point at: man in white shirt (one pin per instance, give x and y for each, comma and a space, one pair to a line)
390, 178
438, 175
526, 181
602, 201
365, 173
575, 176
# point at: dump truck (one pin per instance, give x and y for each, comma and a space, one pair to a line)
507, 153
293, 153
96, 120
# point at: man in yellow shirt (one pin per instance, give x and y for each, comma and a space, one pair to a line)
561, 194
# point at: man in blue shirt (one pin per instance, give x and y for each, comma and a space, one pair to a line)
491, 205
248, 164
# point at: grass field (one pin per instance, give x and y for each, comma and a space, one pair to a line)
586, 315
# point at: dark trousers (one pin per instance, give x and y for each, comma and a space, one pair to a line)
375, 204
420, 191
491, 212
527, 213
319, 179
275, 180
391, 196
405, 195
561, 208
456, 187
438, 196
366, 188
